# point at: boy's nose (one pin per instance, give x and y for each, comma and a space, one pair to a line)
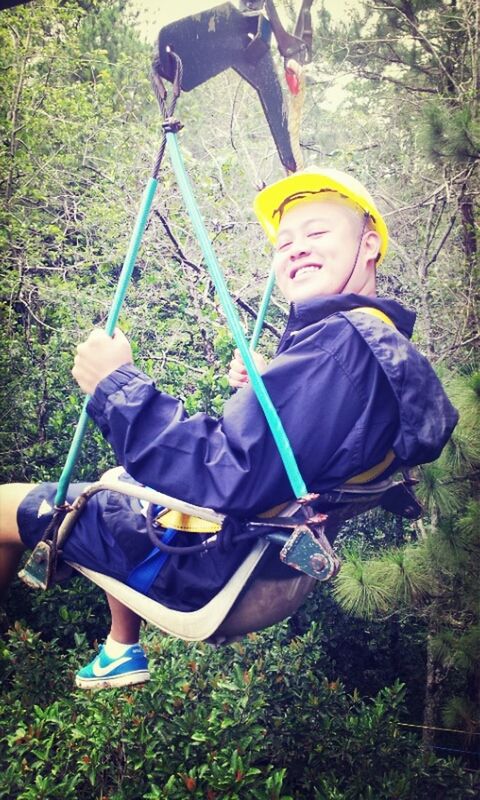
299, 249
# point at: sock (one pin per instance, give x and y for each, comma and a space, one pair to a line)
115, 649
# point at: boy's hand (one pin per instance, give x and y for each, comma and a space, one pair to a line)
100, 355
237, 374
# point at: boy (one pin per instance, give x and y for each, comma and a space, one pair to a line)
350, 389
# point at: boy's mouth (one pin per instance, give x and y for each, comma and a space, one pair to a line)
299, 272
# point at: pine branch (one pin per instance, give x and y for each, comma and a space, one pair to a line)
420, 37
374, 76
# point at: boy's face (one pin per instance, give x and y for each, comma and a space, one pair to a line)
320, 251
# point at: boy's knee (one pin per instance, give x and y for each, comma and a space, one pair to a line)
11, 495
112, 474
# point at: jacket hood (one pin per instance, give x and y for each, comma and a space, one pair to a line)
321, 307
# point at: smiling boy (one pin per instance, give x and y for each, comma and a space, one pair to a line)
352, 392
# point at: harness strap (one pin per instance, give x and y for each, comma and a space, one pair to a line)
373, 472
191, 524
143, 575
187, 523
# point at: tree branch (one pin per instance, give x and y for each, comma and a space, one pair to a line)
267, 325
374, 76
181, 258
178, 255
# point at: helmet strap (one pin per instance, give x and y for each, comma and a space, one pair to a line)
366, 217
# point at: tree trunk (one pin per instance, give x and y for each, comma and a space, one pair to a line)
432, 696
470, 248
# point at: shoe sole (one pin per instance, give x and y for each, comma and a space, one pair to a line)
129, 679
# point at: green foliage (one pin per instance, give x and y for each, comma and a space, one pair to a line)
398, 578
463, 453
81, 131
447, 135
437, 578
434, 492
261, 719
407, 576
460, 712
360, 587
413, 105
60, 99
256, 720
72, 613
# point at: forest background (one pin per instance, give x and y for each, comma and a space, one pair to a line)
372, 690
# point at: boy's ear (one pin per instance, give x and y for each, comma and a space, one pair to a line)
372, 243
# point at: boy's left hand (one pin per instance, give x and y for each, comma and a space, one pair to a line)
237, 374
98, 356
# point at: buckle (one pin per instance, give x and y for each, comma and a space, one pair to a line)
308, 550
40, 567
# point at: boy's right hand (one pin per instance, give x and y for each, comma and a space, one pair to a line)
237, 374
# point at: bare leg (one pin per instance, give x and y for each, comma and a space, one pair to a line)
125, 623
11, 545
125, 627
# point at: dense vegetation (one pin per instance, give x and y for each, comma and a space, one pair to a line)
320, 706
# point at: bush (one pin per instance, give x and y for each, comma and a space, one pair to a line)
258, 719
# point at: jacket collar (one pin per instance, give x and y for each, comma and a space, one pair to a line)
321, 307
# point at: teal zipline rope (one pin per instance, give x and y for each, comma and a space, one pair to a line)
112, 320
262, 311
258, 386
122, 286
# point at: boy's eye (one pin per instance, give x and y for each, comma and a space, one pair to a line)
315, 234
283, 245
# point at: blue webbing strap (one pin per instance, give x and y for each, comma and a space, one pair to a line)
143, 575
258, 386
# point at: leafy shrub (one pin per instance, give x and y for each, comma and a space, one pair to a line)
258, 719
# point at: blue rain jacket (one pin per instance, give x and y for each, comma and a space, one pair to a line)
347, 386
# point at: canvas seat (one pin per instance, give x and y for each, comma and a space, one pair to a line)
263, 590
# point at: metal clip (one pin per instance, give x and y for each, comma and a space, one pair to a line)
172, 125
309, 551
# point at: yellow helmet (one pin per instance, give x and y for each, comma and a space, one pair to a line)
269, 204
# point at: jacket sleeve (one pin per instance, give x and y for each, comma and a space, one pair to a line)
232, 464
192, 458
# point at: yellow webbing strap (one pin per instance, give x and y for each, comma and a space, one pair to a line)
189, 524
373, 472
375, 312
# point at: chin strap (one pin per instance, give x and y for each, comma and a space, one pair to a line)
366, 217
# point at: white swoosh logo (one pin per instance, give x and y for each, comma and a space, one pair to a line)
44, 508
100, 671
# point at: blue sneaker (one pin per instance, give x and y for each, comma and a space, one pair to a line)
104, 672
